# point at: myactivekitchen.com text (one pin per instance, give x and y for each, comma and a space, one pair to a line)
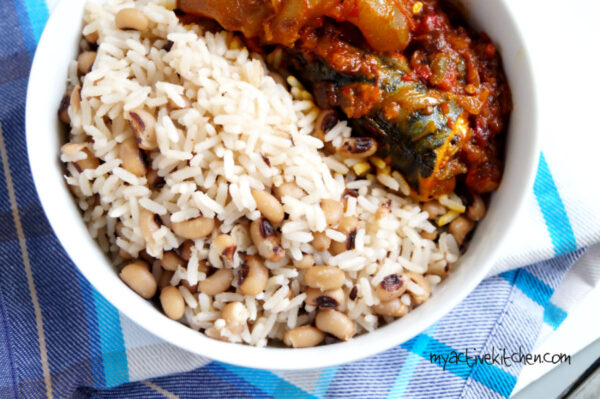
499, 357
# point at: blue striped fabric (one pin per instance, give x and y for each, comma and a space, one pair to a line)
60, 338
553, 209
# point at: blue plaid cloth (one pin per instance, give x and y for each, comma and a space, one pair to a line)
59, 337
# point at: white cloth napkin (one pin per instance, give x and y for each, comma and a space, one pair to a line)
560, 39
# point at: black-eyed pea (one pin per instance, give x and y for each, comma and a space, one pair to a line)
392, 286
422, 290
214, 333
202, 266
124, 254
216, 283
92, 37
146, 257
85, 60
154, 180
289, 189
333, 211
325, 299
172, 302
357, 147
268, 206
429, 236
476, 210
337, 247
439, 268
149, 223
325, 121
266, 241
131, 18
353, 293
165, 279
393, 308
303, 337
143, 125
71, 100
63, 109
134, 160
460, 228
349, 227
89, 162
252, 276
320, 241
193, 229
434, 209
222, 250
324, 277
170, 261
119, 228
306, 262
185, 249
191, 288
235, 315
335, 323
138, 277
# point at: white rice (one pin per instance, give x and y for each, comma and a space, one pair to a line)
223, 128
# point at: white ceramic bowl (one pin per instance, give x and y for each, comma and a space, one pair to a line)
58, 46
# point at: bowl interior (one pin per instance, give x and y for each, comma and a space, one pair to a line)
58, 46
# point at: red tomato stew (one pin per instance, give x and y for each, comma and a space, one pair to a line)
409, 73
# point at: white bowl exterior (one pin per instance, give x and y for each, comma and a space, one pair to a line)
58, 46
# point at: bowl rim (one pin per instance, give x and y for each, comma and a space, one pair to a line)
271, 358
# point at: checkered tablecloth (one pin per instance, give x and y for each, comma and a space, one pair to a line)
60, 338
